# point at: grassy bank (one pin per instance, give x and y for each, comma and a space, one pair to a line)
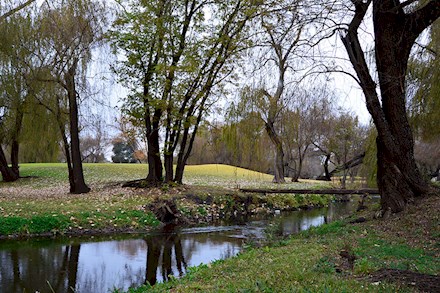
41, 204
339, 257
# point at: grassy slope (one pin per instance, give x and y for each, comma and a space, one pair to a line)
42, 203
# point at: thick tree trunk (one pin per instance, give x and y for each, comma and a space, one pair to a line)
393, 187
7, 172
77, 169
395, 31
399, 179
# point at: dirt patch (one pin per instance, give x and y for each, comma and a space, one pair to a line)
422, 282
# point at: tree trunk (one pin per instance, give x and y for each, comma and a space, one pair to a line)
169, 171
326, 171
394, 189
279, 153
15, 147
395, 31
399, 179
297, 172
7, 172
69, 163
77, 169
155, 170
185, 146
180, 159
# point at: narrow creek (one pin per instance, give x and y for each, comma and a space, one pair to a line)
101, 264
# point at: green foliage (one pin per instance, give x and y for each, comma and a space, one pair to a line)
334, 227
45, 223
176, 54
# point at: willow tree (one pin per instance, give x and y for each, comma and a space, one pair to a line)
397, 25
424, 87
176, 54
68, 31
424, 102
15, 55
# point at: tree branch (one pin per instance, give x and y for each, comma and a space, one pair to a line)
425, 16
16, 9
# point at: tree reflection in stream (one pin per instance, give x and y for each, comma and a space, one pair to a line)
161, 248
100, 265
51, 266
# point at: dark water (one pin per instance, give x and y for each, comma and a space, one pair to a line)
102, 264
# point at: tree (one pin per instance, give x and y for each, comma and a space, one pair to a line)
302, 121
397, 25
346, 144
67, 34
16, 31
94, 143
123, 152
281, 35
424, 102
176, 54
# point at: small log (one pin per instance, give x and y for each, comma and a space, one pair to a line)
312, 191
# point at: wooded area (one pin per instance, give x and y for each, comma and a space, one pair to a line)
268, 65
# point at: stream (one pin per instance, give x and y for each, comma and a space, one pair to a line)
101, 264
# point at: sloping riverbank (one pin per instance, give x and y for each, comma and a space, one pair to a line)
401, 254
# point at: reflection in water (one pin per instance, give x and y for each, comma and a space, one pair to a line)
66, 265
